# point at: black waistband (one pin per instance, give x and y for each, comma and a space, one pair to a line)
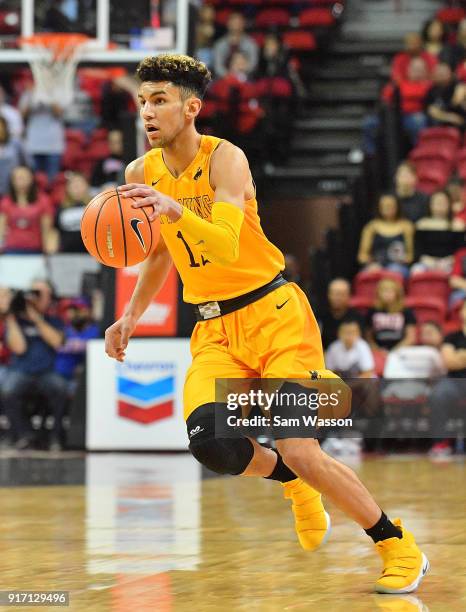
213, 309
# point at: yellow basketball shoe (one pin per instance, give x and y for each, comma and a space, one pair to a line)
312, 523
404, 565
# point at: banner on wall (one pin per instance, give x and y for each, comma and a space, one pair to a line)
160, 318
137, 404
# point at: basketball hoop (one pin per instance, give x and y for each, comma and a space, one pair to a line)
53, 65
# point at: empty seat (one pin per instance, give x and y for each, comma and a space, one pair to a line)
427, 308
299, 40
440, 134
365, 282
434, 150
316, 17
434, 283
272, 17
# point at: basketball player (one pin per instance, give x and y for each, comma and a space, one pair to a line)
251, 322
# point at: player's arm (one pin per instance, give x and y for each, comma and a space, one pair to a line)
152, 275
219, 239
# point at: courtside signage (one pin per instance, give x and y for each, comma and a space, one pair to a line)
138, 404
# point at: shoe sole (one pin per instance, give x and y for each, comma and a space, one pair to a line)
411, 587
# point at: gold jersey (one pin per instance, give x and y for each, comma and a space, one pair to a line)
259, 260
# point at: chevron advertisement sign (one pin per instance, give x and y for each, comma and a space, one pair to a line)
146, 390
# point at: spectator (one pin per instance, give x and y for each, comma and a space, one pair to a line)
458, 51
12, 154
413, 91
235, 40
79, 114
66, 235
413, 203
434, 38
350, 355
116, 101
12, 116
413, 49
389, 324
336, 309
273, 58
110, 171
448, 392
387, 241
421, 361
437, 236
205, 34
33, 337
438, 103
78, 330
45, 133
458, 277
25, 215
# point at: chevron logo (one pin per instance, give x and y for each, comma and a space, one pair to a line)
146, 391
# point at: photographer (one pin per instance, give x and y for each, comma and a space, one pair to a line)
33, 337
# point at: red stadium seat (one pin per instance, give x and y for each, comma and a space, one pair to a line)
440, 134
380, 357
275, 87
76, 136
362, 303
272, 17
428, 308
365, 282
221, 16
433, 284
462, 164
259, 37
97, 150
433, 175
298, 40
316, 17
451, 15
432, 150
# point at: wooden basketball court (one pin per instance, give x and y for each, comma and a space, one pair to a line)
153, 533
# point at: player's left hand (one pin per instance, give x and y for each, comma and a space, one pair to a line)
150, 197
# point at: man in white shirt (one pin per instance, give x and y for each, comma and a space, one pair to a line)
350, 355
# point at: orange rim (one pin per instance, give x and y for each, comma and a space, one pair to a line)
59, 42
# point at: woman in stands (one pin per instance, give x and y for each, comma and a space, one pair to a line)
25, 215
12, 154
389, 324
437, 236
66, 235
387, 240
435, 40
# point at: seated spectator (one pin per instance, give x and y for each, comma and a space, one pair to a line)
434, 38
350, 356
458, 277
413, 203
12, 154
437, 236
45, 133
438, 103
458, 50
66, 235
413, 49
389, 324
79, 328
387, 241
235, 40
25, 215
421, 361
12, 116
79, 115
33, 337
110, 171
447, 393
273, 58
205, 34
336, 310
116, 101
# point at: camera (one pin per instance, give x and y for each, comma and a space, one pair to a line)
20, 299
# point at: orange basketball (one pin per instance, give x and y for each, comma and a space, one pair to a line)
116, 234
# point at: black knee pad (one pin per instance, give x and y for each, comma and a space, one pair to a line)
223, 455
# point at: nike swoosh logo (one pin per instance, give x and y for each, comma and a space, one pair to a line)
155, 182
135, 227
278, 306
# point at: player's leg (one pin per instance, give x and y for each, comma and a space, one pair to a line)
295, 327
233, 455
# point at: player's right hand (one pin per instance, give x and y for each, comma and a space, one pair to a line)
117, 337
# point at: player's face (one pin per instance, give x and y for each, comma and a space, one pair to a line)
162, 111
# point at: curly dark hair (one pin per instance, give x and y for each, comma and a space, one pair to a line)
187, 73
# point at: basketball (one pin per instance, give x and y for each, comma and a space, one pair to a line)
115, 233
